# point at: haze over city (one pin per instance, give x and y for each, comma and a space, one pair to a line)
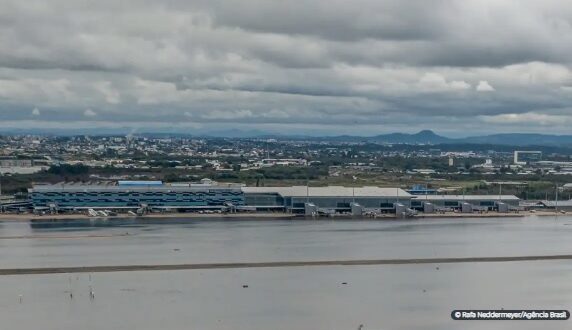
304, 67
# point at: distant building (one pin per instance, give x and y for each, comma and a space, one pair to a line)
488, 165
526, 157
22, 169
425, 171
268, 162
420, 189
565, 205
20, 166
15, 163
567, 186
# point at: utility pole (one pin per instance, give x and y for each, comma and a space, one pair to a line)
353, 195
556, 200
307, 185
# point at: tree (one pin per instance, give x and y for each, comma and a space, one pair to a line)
66, 169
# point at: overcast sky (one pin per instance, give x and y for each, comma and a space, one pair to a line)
358, 67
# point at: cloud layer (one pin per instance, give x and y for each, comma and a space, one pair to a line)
336, 66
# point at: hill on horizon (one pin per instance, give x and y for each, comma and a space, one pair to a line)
422, 137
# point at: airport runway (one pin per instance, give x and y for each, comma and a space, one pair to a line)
277, 264
64, 236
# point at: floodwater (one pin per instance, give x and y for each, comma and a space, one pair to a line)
330, 297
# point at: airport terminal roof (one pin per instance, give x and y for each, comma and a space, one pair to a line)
330, 191
563, 203
110, 186
139, 183
468, 197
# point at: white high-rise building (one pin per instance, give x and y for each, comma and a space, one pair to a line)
526, 157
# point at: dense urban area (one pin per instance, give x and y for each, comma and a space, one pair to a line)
531, 174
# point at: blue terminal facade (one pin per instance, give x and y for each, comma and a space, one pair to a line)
134, 195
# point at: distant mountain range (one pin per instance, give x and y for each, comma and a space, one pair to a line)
522, 139
422, 137
429, 137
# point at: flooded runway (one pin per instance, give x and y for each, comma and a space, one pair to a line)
280, 264
322, 274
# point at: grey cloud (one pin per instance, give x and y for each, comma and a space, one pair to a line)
333, 20
376, 64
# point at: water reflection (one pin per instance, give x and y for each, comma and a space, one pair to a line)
379, 297
392, 297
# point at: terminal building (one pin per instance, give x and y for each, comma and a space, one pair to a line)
134, 195
465, 203
156, 196
323, 200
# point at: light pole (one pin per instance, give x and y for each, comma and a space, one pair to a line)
556, 200
353, 194
307, 185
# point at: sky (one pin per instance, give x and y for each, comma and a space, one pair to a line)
316, 67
